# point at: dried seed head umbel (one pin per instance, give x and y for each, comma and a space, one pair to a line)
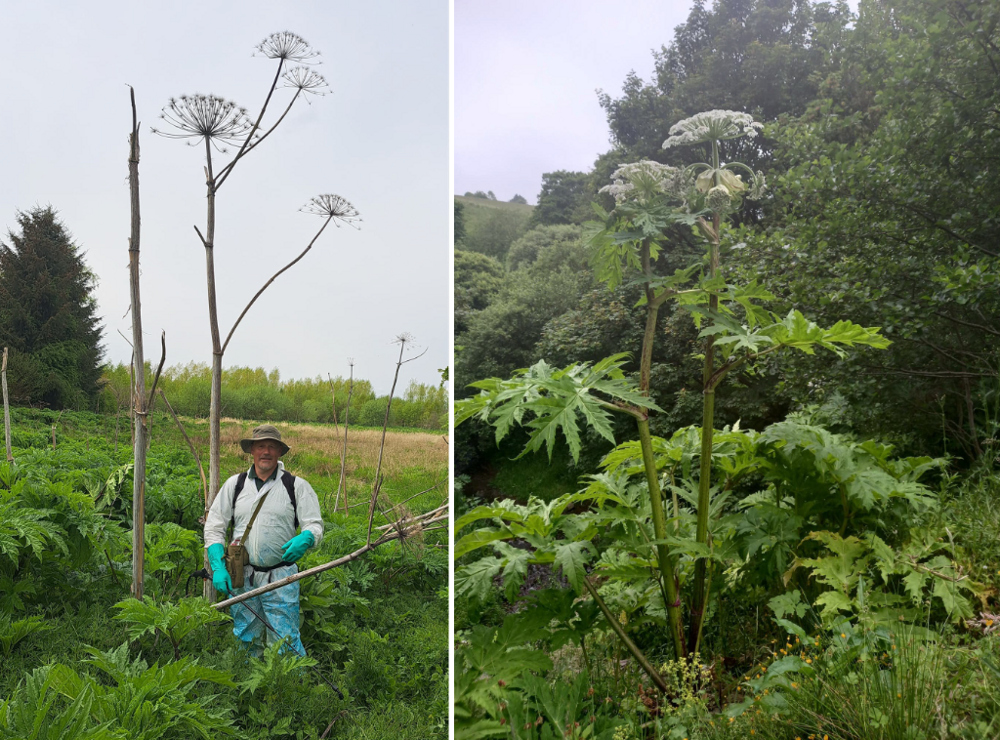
333, 207
305, 79
209, 117
288, 47
409, 531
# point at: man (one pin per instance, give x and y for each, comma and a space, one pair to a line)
272, 544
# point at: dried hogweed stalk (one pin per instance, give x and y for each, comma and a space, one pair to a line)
206, 117
288, 47
333, 207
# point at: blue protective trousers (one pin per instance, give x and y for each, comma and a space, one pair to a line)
280, 607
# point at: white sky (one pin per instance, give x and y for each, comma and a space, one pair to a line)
526, 72
525, 79
379, 139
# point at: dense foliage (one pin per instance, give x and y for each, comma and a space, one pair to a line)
82, 660
48, 318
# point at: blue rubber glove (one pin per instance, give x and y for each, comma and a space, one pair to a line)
220, 576
296, 547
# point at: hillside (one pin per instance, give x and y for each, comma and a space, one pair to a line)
491, 225
470, 202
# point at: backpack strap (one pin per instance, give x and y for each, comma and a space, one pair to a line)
253, 518
286, 478
241, 480
289, 480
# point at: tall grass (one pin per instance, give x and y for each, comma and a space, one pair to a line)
891, 687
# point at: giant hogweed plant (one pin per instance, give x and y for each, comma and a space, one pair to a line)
773, 537
651, 199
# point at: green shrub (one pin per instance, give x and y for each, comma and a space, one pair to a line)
372, 414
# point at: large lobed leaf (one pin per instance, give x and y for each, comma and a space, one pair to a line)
554, 400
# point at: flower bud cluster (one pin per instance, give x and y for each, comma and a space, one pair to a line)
645, 179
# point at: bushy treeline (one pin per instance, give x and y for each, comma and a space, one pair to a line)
253, 393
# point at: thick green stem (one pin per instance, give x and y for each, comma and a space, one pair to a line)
701, 621
665, 561
701, 533
649, 335
677, 505
631, 646
707, 430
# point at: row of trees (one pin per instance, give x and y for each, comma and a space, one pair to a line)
880, 136
489, 195
253, 393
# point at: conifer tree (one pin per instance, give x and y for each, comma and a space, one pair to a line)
48, 316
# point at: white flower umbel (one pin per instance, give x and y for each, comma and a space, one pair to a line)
638, 180
712, 125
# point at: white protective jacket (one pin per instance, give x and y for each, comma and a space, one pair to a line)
275, 524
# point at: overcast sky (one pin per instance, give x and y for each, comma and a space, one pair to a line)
379, 139
525, 79
526, 72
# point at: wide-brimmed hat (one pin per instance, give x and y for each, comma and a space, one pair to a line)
264, 431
